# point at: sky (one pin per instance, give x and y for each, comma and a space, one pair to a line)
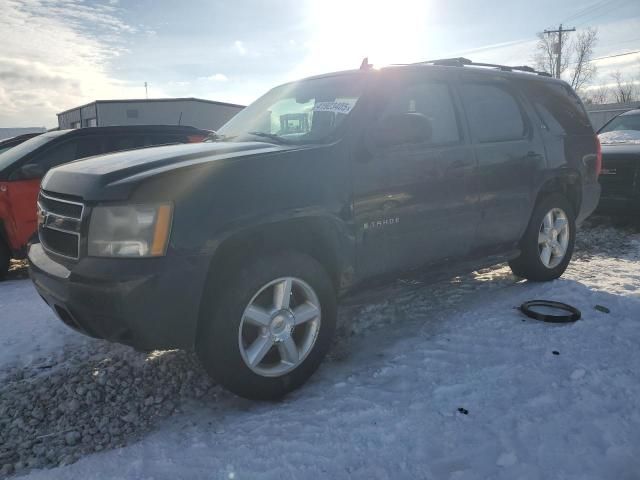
57, 54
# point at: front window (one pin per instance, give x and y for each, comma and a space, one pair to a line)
16, 153
308, 111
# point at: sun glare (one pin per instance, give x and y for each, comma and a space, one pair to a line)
343, 32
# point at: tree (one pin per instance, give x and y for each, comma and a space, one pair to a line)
546, 52
583, 69
597, 95
624, 90
577, 56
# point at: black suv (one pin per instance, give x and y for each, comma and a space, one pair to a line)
620, 177
239, 248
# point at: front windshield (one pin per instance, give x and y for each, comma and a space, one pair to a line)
623, 122
14, 154
308, 111
622, 129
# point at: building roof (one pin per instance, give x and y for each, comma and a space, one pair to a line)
153, 100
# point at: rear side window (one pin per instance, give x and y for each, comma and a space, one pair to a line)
493, 112
116, 143
559, 108
433, 100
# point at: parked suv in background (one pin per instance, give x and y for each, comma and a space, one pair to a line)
239, 248
620, 178
23, 166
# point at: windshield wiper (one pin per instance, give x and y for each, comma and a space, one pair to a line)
271, 136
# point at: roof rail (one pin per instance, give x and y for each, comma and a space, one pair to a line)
465, 62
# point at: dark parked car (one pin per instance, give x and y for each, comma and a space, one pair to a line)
23, 166
8, 143
239, 248
620, 178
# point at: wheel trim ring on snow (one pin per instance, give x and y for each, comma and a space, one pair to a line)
572, 313
289, 330
553, 238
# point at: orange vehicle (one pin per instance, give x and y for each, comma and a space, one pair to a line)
23, 166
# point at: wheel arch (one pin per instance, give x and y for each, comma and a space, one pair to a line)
568, 183
323, 238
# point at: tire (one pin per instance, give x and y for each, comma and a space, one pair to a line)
5, 257
531, 264
229, 330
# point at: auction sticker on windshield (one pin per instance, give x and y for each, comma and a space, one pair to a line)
334, 107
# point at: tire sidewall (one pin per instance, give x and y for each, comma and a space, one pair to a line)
535, 269
218, 346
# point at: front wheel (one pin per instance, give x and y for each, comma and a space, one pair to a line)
267, 329
547, 244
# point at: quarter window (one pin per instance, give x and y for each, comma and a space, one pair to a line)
493, 113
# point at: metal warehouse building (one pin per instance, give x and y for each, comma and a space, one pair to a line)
194, 112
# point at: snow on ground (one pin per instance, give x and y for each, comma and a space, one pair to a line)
28, 330
537, 400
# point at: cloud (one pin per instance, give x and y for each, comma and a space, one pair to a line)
217, 77
55, 55
240, 48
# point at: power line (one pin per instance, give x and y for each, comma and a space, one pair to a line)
617, 55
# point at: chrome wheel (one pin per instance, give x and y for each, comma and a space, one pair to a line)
279, 327
553, 238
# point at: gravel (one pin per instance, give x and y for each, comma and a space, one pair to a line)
95, 398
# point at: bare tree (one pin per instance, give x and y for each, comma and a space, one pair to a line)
577, 56
583, 69
624, 90
597, 95
546, 52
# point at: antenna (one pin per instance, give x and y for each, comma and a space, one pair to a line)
146, 91
365, 65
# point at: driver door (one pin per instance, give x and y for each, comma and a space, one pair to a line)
415, 203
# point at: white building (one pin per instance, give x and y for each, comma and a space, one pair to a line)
194, 112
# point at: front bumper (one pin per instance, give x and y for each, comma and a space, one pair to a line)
619, 204
146, 303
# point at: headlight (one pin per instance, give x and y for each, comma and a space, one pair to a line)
130, 230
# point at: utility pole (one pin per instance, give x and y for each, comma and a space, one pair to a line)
560, 31
146, 92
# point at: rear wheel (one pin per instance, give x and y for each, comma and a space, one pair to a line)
5, 257
269, 326
547, 245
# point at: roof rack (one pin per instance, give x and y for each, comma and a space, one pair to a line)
465, 62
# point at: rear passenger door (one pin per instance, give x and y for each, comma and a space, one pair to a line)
510, 154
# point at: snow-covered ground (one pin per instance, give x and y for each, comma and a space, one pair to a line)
386, 403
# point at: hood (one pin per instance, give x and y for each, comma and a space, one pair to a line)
113, 176
624, 137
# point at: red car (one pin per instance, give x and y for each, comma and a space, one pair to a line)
23, 166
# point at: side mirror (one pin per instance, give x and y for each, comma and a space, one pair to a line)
402, 128
29, 171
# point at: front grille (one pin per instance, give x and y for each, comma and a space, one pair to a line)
59, 223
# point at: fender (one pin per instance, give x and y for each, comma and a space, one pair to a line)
313, 230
